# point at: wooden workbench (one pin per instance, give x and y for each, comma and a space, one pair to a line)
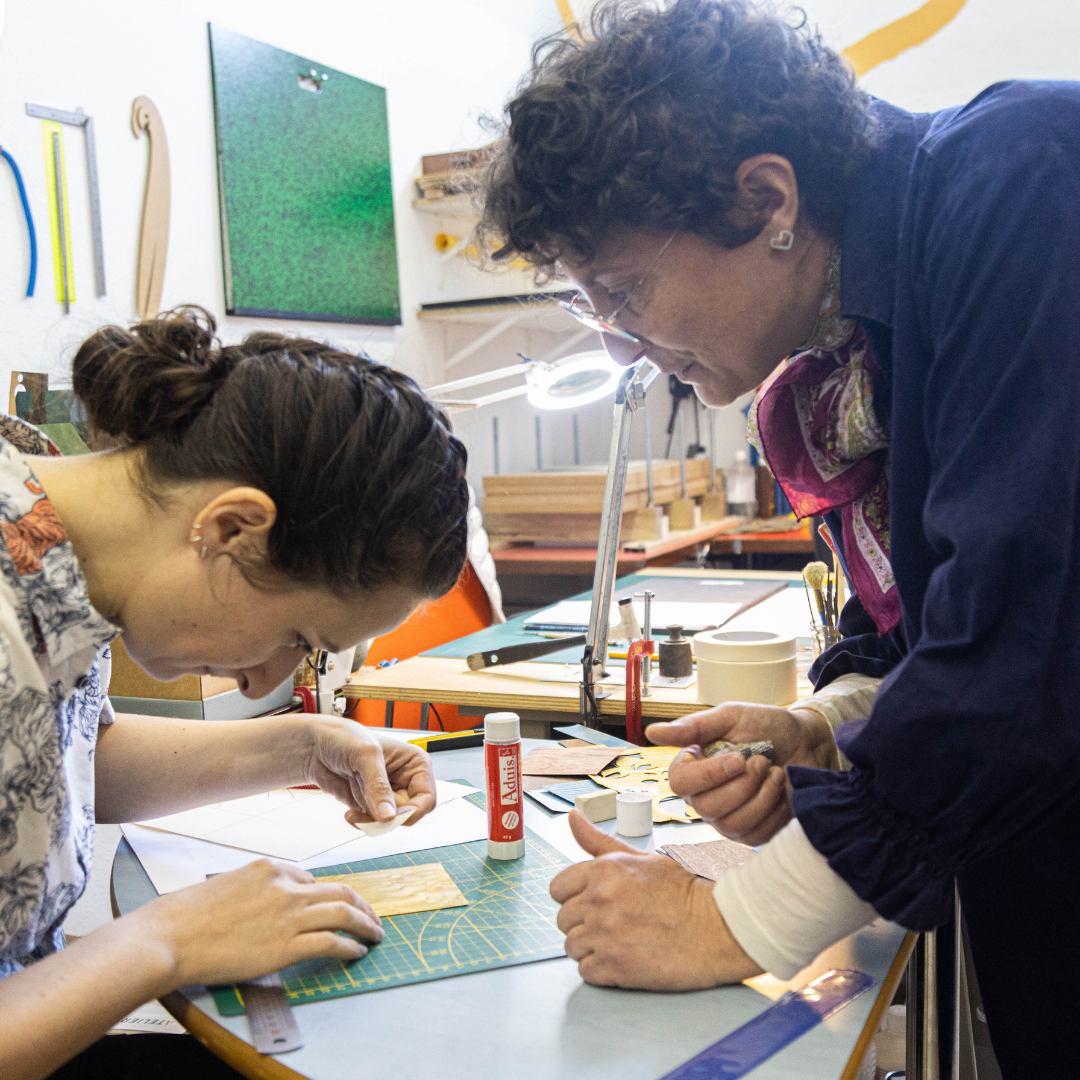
522, 688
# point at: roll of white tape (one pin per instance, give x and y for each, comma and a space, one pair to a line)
743, 646
633, 813
773, 682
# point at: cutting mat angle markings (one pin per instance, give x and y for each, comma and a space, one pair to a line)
510, 919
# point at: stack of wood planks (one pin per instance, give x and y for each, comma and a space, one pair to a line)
565, 507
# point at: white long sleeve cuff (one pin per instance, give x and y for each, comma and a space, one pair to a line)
786, 905
850, 697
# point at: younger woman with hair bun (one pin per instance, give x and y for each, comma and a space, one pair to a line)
260, 500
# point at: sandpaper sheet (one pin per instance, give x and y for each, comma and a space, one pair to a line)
711, 859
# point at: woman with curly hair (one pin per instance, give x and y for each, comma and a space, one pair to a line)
901, 289
261, 500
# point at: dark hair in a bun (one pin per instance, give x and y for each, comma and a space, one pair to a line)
368, 480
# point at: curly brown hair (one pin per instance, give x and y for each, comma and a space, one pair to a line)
645, 118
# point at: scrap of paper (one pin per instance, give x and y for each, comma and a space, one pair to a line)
380, 828
405, 889
711, 859
563, 761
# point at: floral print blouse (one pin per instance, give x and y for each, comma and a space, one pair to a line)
54, 678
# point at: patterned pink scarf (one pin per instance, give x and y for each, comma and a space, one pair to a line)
813, 422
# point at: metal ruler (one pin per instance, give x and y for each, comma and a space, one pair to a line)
79, 119
779, 1025
270, 1017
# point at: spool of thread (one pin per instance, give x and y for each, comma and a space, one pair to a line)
746, 665
676, 655
633, 813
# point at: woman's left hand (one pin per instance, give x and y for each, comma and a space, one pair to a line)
373, 777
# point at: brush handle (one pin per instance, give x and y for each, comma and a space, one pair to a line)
820, 605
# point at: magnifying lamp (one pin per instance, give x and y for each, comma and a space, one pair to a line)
568, 384
578, 380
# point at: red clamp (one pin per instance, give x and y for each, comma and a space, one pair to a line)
635, 655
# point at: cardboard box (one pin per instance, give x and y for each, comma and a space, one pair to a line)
191, 697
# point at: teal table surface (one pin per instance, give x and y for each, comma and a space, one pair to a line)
539, 1021
513, 632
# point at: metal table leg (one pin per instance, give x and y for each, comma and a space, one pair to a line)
389, 714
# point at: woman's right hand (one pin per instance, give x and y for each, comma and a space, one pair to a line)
748, 801
254, 921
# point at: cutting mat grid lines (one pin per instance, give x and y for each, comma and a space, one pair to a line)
510, 920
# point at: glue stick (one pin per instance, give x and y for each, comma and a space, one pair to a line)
502, 769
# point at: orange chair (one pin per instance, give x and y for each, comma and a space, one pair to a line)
463, 610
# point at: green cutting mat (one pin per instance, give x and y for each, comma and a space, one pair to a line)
510, 920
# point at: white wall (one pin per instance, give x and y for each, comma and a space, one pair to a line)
443, 62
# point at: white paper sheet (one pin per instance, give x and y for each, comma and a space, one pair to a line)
289, 823
785, 612
574, 615
152, 1018
173, 861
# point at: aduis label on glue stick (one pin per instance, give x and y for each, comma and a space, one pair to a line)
502, 771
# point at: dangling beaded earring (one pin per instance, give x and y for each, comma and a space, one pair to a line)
783, 240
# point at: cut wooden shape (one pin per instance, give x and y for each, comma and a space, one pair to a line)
713, 506
154, 236
562, 761
684, 514
646, 769
426, 887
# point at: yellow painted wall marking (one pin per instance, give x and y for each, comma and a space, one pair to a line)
905, 33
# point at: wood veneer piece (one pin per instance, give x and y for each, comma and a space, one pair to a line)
405, 889
154, 235
563, 761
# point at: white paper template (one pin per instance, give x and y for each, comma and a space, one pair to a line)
289, 823
174, 861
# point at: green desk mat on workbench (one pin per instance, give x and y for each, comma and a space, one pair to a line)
510, 920
513, 632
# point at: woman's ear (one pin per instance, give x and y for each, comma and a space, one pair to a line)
768, 189
238, 519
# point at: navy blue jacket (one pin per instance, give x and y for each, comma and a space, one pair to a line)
961, 244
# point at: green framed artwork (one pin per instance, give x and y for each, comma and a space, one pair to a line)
307, 212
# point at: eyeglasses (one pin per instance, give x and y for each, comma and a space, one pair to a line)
606, 324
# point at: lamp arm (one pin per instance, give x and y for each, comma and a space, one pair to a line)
628, 396
484, 377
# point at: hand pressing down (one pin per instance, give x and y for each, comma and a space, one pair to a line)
252, 921
640, 921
